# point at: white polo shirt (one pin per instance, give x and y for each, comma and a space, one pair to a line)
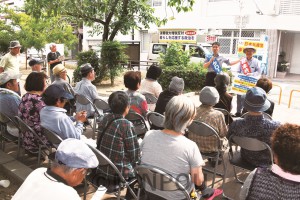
40, 185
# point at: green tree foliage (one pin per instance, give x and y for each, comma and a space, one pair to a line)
112, 55
6, 35
175, 56
88, 57
181, 5
37, 33
107, 17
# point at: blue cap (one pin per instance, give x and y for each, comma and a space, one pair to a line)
57, 91
256, 100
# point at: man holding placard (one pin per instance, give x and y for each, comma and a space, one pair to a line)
249, 66
214, 64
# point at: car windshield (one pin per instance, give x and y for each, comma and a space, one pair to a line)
207, 50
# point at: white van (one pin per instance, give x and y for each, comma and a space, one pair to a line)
199, 51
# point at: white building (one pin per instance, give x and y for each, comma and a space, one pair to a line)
277, 19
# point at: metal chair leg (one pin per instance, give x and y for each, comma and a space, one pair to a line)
236, 177
39, 155
85, 189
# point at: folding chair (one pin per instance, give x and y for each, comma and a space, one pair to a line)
72, 102
43, 148
150, 98
156, 120
158, 179
7, 137
54, 140
247, 143
151, 101
85, 101
139, 123
227, 115
266, 115
199, 130
102, 105
104, 160
52, 137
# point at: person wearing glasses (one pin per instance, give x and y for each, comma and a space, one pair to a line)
73, 159
54, 117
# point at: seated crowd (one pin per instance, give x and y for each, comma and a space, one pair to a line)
168, 149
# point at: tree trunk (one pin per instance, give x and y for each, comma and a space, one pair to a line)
112, 79
105, 32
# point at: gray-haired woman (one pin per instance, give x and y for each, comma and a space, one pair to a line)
178, 156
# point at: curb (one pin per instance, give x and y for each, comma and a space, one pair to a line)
13, 168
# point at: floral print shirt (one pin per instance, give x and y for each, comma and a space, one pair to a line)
29, 112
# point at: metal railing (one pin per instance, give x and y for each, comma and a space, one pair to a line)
280, 92
291, 94
130, 64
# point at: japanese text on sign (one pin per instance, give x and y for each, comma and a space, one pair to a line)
183, 36
242, 83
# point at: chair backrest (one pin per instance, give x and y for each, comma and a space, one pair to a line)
138, 121
150, 98
82, 99
25, 128
198, 128
134, 116
85, 101
250, 144
159, 179
52, 137
104, 160
226, 114
102, 105
69, 89
202, 129
155, 119
4, 119
266, 115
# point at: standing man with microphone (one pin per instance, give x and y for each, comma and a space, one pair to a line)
214, 64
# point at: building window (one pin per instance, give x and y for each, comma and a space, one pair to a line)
229, 39
156, 3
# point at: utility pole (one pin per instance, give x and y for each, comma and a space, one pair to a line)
241, 20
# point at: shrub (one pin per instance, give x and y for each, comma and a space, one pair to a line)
87, 57
175, 56
193, 76
112, 54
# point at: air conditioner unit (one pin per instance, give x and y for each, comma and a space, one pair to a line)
267, 7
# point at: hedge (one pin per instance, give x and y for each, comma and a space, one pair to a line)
194, 79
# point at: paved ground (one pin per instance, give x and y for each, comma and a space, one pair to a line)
231, 187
